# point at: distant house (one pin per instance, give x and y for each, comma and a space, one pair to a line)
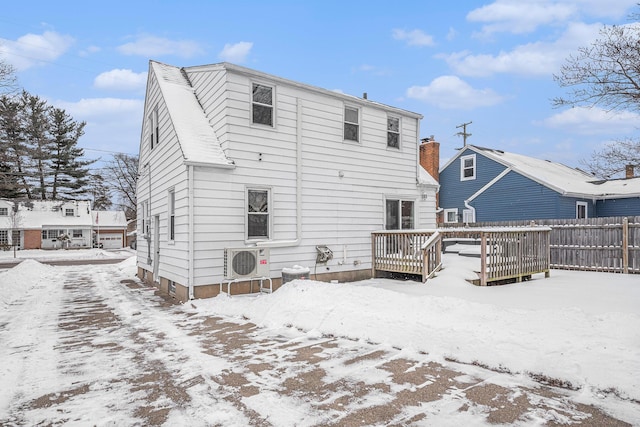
244, 174
482, 184
49, 224
109, 229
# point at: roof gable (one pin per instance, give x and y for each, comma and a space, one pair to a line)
558, 177
196, 137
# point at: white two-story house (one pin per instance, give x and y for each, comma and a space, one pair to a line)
244, 174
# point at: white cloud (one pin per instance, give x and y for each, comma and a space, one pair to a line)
120, 79
520, 16
450, 92
35, 49
539, 58
525, 16
237, 52
413, 37
151, 46
593, 121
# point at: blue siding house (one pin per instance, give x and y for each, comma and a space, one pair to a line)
482, 184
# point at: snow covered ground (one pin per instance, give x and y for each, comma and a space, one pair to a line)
578, 329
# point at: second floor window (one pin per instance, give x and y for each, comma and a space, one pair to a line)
468, 167
351, 124
4, 211
153, 128
69, 212
262, 105
393, 132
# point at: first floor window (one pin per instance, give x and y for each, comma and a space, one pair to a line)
581, 210
393, 132
76, 233
257, 214
399, 215
351, 124
451, 215
52, 234
172, 215
4, 237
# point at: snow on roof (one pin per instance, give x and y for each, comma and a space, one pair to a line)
425, 178
36, 214
109, 219
562, 178
196, 137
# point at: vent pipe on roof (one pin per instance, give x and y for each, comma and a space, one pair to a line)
364, 95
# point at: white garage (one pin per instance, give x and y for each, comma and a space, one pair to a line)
110, 241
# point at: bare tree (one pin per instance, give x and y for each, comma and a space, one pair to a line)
7, 77
122, 173
606, 74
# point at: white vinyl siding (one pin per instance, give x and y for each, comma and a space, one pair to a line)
337, 211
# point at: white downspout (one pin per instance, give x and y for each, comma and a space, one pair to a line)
296, 242
471, 208
191, 230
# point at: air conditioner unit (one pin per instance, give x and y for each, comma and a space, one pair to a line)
242, 263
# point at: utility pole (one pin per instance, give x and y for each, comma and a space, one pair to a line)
464, 133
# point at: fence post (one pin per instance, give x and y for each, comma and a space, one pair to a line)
373, 255
625, 245
483, 259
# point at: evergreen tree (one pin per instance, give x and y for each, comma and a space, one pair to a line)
70, 175
39, 143
13, 179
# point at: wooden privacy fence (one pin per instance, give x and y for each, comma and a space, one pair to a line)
506, 253
593, 244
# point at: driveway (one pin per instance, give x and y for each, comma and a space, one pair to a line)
99, 349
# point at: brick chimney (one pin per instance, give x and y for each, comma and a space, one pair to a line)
430, 157
629, 172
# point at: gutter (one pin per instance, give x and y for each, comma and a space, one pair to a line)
296, 242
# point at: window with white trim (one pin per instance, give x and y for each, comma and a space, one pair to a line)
172, 214
154, 137
451, 215
399, 214
468, 167
4, 237
351, 124
258, 213
76, 233
69, 212
52, 234
145, 217
582, 211
262, 104
4, 211
393, 132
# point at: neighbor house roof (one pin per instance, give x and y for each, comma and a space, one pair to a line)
36, 214
561, 178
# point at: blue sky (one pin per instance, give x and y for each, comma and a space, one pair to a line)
489, 62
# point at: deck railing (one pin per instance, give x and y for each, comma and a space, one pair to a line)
505, 253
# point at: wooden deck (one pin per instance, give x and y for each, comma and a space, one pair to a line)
506, 254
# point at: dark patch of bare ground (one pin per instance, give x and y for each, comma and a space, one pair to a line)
257, 363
